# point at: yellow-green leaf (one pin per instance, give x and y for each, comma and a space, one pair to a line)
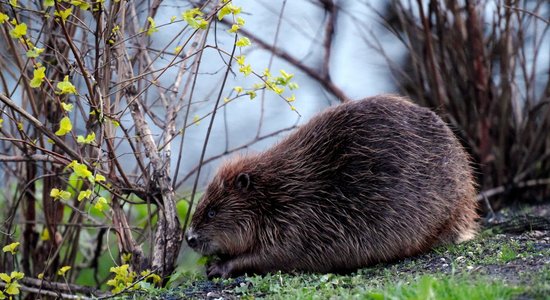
67, 106
48, 3
126, 257
12, 248
17, 275
38, 77
57, 194
65, 126
5, 277
251, 94
65, 87
63, 270
246, 70
81, 4
152, 26
99, 178
13, 288
243, 42
193, 17
40, 276
293, 85
101, 204
81, 170
34, 52
18, 31
238, 89
64, 14
90, 138
240, 60
45, 235
4, 18
84, 195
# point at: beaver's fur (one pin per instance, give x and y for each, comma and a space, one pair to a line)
363, 182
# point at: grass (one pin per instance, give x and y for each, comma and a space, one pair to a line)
360, 287
493, 266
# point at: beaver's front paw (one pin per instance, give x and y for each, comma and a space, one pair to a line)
218, 269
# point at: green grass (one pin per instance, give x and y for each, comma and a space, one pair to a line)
360, 287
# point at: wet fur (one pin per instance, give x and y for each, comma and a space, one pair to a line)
363, 182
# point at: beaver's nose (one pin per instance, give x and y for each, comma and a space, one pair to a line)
191, 239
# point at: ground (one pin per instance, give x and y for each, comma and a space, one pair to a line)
510, 265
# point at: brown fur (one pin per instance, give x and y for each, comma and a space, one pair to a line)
363, 182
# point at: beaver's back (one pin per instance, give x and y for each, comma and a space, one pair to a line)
375, 179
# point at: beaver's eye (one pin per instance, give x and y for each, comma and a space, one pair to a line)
211, 213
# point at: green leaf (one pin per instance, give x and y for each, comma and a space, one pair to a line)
65, 126
65, 87
48, 3
18, 31
38, 77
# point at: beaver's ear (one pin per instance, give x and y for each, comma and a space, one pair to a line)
243, 182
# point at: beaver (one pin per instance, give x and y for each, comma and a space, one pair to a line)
364, 182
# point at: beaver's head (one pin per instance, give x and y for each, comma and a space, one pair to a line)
226, 219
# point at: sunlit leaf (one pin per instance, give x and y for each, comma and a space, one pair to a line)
63, 270
12, 288
67, 106
64, 14
5, 277
18, 31
38, 77
12, 248
65, 126
34, 52
81, 170
4, 18
99, 178
101, 204
152, 26
65, 87
17, 275
243, 42
81, 4
90, 138
84, 195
